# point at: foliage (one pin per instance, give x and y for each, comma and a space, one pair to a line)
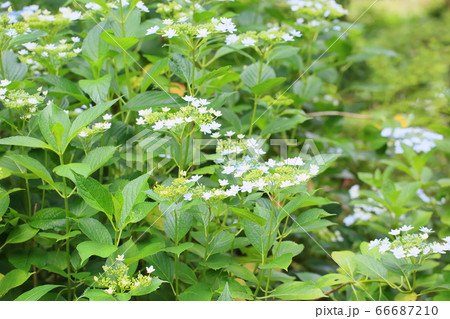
140, 135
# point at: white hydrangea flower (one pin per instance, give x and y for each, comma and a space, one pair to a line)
152, 30
141, 6
247, 42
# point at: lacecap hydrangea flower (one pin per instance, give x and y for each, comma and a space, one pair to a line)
407, 245
421, 141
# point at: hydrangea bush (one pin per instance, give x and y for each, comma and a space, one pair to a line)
162, 151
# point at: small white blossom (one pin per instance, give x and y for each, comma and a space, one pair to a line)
170, 33
398, 252
202, 33
394, 232
248, 41
152, 30
141, 6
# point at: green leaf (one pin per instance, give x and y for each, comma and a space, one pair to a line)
14, 278
130, 194
186, 274
226, 294
164, 266
63, 86
244, 213
282, 52
68, 169
27, 37
312, 88
47, 120
95, 230
49, 218
98, 157
95, 194
36, 293
250, 75
98, 295
177, 250
220, 243
89, 248
345, 260
332, 279
151, 99
122, 44
21, 234
86, 118
197, 292
59, 237
34, 166
97, 89
289, 247
297, 291
212, 75
26, 141
204, 15
282, 261
371, 267
154, 284
93, 49
267, 85
283, 124
242, 272
181, 67
145, 251
13, 69
177, 227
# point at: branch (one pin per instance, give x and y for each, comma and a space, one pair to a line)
338, 113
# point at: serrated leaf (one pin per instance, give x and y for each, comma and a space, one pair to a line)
49, 218
95, 230
97, 89
151, 99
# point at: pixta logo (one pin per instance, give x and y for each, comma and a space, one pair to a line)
147, 150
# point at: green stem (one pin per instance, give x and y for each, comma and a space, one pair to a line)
1, 65
124, 54
66, 208
177, 256
256, 98
266, 252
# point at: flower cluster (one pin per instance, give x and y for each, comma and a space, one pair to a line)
407, 245
426, 199
245, 176
21, 101
93, 6
195, 113
98, 127
268, 37
174, 28
38, 56
363, 212
10, 30
417, 138
117, 280
37, 18
317, 12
